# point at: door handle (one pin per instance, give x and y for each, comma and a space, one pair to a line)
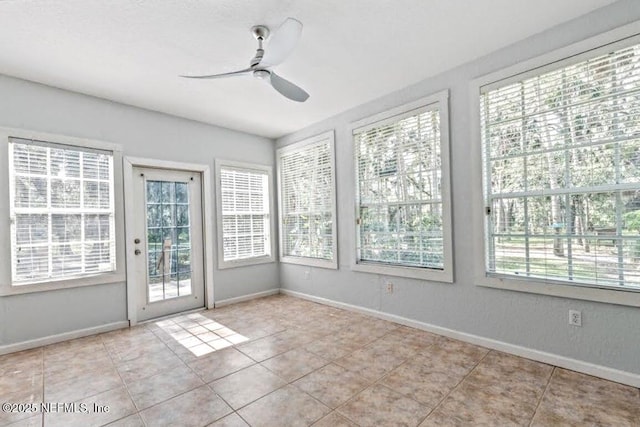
137, 252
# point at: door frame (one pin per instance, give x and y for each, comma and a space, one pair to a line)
129, 212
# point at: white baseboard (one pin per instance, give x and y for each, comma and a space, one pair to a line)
52, 339
604, 372
223, 302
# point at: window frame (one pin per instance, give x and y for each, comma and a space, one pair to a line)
249, 167
439, 101
299, 146
7, 287
574, 53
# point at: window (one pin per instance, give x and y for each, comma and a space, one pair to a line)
402, 191
244, 218
561, 151
306, 179
62, 211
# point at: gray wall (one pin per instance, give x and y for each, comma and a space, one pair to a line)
610, 335
142, 133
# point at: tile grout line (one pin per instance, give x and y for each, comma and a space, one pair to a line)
302, 346
291, 383
275, 333
205, 384
208, 384
233, 410
376, 382
454, 388
138, 410
546, 387
43, 388
126, 387
239, 416
103, 391
286, 382
379, 381
370, 384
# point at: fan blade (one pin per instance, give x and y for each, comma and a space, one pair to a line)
282, 42
288, 89
217, 76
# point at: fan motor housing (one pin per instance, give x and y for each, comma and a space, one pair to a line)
260, 32
261, 74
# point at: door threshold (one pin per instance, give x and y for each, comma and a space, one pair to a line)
169, 316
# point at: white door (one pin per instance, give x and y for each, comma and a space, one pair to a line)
168, 241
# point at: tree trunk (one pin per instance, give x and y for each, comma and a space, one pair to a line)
556, 207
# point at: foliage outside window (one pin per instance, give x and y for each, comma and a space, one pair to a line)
307, 202
245, 213
62, 211
562, 173
168, 233
399, 188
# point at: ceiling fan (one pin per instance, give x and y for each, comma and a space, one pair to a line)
280, 45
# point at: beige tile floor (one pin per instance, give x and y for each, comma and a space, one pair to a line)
283, 361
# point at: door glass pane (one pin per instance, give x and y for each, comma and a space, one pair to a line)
168, 240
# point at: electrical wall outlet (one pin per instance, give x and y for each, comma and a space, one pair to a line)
575, 318
389, 287
307, 273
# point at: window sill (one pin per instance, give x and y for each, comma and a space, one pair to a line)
53, 285
246, 262
310, 262
445, 276
560, 289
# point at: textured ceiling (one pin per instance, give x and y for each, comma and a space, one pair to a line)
350, 52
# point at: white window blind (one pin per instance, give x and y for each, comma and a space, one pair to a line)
399, 188
245, 213
62, 211
562, 173
307, 199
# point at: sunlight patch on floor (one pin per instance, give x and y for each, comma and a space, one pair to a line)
199, 334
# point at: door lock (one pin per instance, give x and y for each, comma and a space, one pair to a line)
137, 252
136, 241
